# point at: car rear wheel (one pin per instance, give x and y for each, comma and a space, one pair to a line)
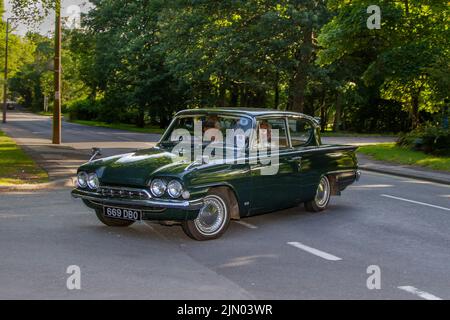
322, 198
212, 220
112, 222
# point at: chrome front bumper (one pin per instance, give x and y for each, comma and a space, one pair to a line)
101, 199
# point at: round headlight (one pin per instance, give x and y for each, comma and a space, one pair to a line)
158, 187
174, 188
93, 181
82, 178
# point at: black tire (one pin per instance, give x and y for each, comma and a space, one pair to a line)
322, 197
112, 222
197, 229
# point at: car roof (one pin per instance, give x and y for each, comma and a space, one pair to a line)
253, 112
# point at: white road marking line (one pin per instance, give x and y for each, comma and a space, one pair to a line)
420, 293
316, 252
246, 224
416, 202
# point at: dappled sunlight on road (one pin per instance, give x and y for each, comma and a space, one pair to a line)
242, 261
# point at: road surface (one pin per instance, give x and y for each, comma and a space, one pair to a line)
395, 227
34, 133
35, 129
397, 224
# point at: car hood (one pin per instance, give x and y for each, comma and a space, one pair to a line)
136, 169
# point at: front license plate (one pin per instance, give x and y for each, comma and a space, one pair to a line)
122, 213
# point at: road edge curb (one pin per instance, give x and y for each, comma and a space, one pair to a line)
405, 175
61, 183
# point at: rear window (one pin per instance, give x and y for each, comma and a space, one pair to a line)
301, 131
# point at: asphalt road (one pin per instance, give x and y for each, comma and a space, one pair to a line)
396, 224
32, 129
42, 233
34, 133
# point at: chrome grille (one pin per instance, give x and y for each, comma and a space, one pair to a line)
125, 193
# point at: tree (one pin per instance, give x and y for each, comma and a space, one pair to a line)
128, 69
31, 80
32, 11
397, 59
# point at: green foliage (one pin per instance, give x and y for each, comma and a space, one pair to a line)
84, 109
16, 167
140, 61
401, 61
429, 139
32, 80
33, 11
403, 155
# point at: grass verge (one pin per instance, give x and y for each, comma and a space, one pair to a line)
16, 167
392, 153
120, 126
354, 134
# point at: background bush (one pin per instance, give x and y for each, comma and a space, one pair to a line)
429, 139
98, 110
85, 109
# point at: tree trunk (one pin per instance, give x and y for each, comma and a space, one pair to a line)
298, 92
259, 100
93, 95
234, 96
323, 117
244, 97
276, 101
222, 94
140, 118
415, 111
337, 116
300, 75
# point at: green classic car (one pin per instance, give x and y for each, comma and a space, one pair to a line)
215, 165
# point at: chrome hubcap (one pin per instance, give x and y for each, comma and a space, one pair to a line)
323, 192
212, 216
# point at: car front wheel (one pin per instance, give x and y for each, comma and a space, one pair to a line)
322, 198
213, 218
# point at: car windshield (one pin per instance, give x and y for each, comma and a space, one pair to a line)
208, 128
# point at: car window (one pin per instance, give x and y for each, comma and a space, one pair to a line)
221, 123
301, 131
265, 129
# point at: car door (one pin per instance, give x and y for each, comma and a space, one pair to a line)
271, 173
303, 143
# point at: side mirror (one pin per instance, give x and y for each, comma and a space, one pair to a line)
95, 152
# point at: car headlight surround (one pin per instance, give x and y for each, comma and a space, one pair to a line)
82, 179
93, 181
158, 187
175, 189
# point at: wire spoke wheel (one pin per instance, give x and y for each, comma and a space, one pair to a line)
212, 216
